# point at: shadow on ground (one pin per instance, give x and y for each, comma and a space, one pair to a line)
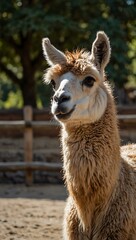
47, 191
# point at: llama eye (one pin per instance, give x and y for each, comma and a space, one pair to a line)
53, 83
89, 81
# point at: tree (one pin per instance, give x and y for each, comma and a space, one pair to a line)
68, 24
23, 24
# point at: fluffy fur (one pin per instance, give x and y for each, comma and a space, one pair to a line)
100, 176
101, 184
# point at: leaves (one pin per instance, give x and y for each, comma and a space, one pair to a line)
69, 24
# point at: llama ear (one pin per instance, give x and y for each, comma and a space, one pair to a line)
52, 54
101, 51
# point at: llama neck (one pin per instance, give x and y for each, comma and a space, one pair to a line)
91, 154
91, 163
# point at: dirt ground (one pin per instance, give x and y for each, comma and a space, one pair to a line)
31, 213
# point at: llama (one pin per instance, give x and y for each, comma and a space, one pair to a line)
99, 175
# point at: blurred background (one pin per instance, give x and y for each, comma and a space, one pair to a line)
70, 25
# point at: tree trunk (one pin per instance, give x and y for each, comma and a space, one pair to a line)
28, 91
28, 86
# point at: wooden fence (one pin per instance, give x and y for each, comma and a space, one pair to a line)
28, 126
28, 165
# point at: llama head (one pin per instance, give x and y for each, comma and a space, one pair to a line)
80, 94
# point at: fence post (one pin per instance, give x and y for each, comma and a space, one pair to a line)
28, 142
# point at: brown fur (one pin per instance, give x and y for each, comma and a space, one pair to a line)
100, 176
102, 186
76, 63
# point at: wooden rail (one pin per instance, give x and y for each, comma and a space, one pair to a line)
131, 117
28, 165
28, 125
46, 124
23, 124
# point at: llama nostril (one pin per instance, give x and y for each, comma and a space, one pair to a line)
56, 99
63, 98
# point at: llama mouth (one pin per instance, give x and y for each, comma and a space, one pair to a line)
65, 115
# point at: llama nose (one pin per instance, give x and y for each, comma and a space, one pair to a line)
62, 98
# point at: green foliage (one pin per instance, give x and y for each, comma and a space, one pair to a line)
69, 24
10, 95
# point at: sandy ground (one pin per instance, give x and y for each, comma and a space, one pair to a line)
31, 213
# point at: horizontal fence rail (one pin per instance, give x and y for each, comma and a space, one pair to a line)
28, 126
34, 124
22, 123
17, 166
127, 117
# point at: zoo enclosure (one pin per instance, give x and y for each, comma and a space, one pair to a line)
30, 125
27, 126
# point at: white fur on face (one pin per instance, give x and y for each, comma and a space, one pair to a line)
89, 103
